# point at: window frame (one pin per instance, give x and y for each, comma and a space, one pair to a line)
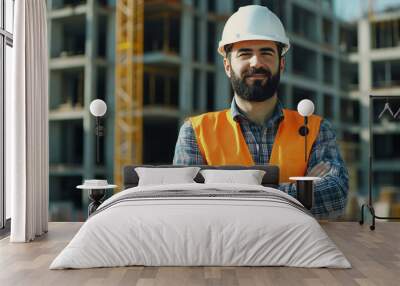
6, 39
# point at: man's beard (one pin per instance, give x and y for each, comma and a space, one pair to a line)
257, 91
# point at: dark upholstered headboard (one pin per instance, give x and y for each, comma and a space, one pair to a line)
270, 179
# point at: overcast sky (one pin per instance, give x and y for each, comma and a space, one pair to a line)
352, 9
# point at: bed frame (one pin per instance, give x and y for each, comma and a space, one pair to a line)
270, 179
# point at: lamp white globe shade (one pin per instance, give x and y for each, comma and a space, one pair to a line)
305, 107
98, 107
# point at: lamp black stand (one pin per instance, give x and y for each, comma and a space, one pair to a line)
99, 133
303, 132
369, 205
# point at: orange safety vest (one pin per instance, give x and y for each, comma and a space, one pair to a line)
221, 141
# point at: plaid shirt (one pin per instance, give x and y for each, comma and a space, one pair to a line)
330, 193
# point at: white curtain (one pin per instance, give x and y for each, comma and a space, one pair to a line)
27, 124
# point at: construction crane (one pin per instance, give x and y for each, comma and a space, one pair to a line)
370, 9
128, 129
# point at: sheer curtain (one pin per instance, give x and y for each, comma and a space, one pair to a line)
27, 124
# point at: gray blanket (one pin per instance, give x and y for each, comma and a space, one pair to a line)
199, 194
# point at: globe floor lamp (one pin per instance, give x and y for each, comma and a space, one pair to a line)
305, 108
304, 185
98, 108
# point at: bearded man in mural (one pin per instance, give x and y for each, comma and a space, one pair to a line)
256, 129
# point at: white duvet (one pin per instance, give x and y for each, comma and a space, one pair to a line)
183, 231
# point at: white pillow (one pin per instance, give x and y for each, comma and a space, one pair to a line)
163, 176
249, 177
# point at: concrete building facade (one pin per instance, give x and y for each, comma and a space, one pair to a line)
81, 68
378, 60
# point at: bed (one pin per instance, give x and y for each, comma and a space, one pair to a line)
201, 224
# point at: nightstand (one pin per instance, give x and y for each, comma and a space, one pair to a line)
97, 192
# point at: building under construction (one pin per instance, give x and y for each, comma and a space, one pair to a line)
378, 61
176, 72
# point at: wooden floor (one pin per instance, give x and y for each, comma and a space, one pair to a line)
374, 255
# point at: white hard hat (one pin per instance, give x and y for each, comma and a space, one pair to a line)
253, 22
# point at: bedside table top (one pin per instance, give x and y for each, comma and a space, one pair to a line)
304, 178
86, 187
